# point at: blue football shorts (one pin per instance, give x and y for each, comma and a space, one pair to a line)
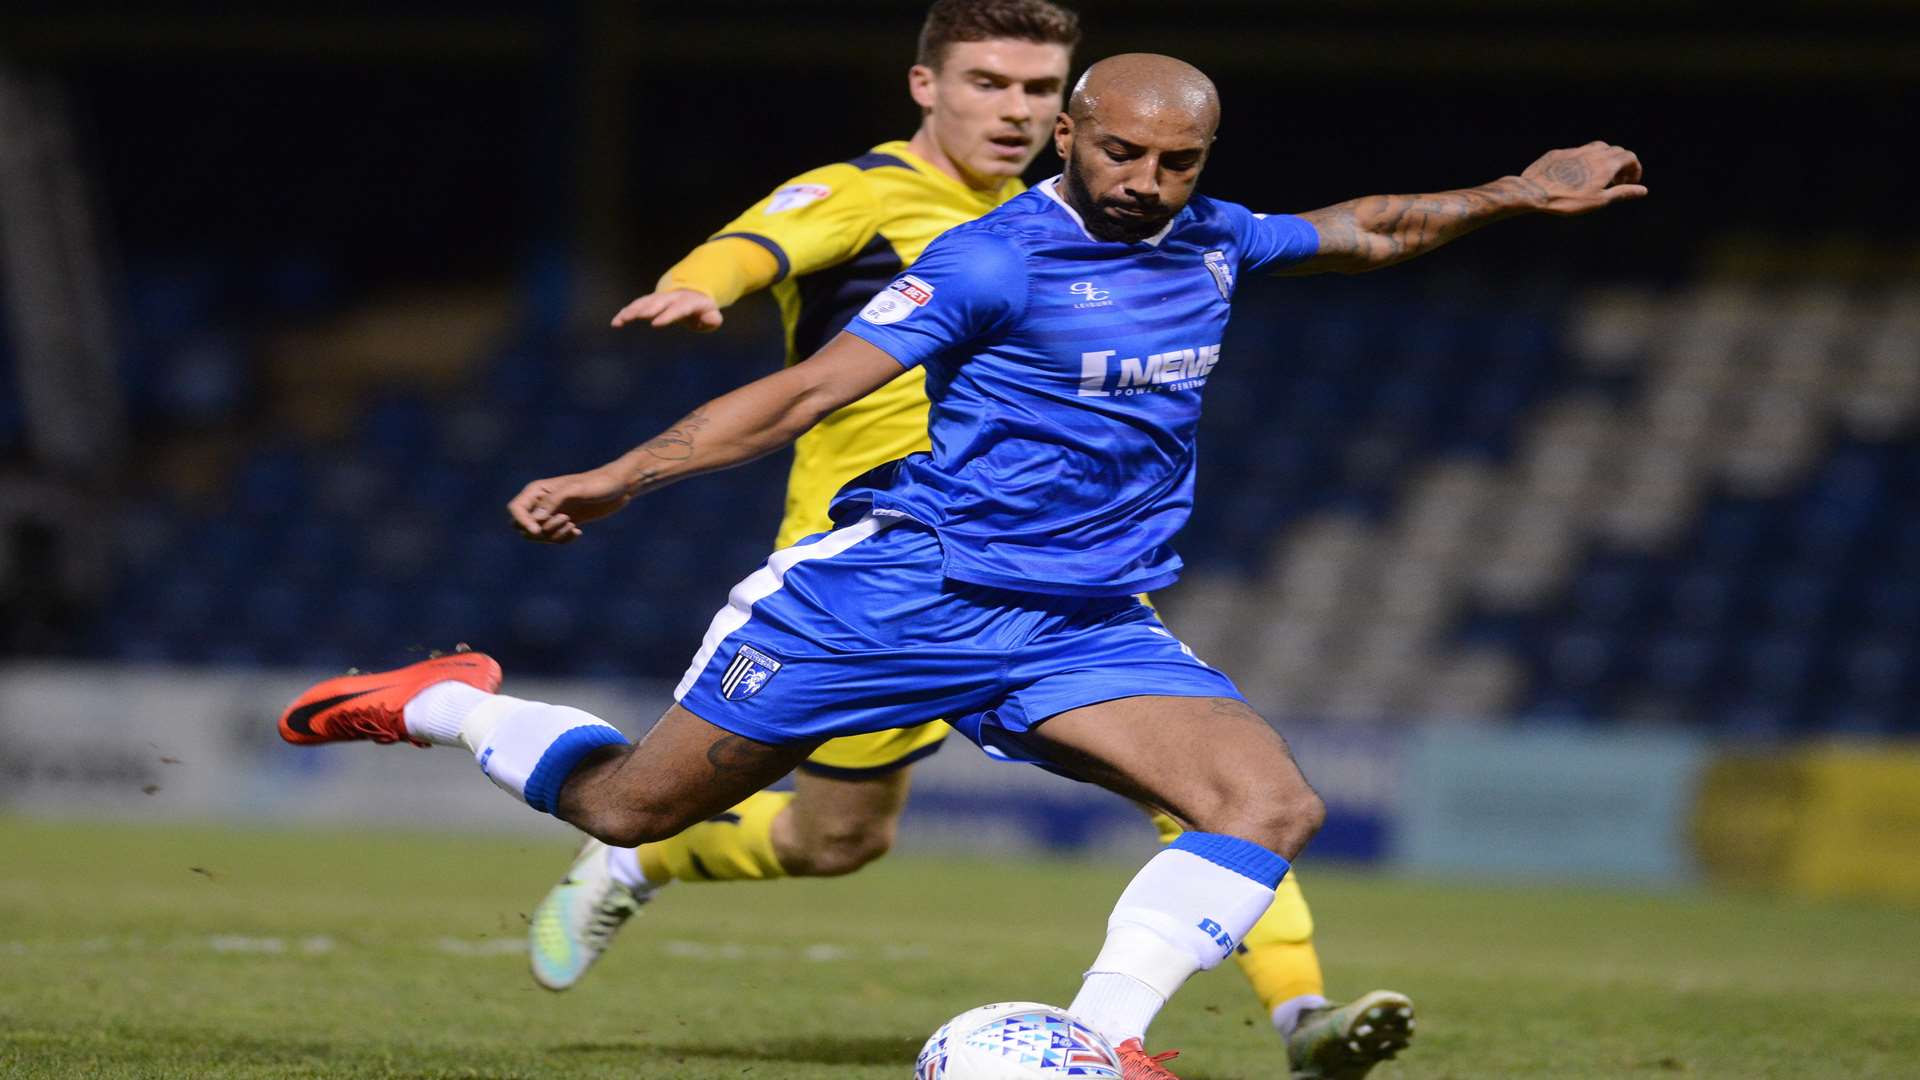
859, 630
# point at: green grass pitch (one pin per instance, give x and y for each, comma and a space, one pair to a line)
202, 952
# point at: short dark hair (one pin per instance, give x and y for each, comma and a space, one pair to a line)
952, 21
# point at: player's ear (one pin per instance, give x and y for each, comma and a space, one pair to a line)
1063, 135
920, 84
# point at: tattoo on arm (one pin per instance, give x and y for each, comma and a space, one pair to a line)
676, 443
736, 754
652, 461
1380, 230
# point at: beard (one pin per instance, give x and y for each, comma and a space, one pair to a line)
1098, 214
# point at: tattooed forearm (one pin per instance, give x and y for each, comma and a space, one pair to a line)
676, 443
1380, 230
656, 462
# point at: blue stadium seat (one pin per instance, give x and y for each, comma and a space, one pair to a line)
1608, 593
1878, 668
1703, 599
1583, 659
1800, 599
1683, 664
1779, 666
276, 611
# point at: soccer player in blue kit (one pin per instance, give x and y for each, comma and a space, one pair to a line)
1068, 337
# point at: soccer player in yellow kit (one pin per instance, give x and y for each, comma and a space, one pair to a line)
989, 79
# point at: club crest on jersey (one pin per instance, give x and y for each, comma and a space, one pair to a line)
750, 670
795, 196
905, 296
1222, 273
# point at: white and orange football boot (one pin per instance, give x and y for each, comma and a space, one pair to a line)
373, 706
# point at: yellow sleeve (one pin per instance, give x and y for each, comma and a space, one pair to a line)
725, 269
818, 219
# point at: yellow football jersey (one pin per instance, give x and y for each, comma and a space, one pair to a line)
840, 234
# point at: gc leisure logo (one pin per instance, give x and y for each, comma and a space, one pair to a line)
1091, 295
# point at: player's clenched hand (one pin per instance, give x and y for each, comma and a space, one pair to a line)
552, 510
1586, 178
673, 307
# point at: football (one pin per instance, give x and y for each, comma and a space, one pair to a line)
1015, 1040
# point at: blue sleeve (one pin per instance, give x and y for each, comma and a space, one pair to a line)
1270, 242
968, 283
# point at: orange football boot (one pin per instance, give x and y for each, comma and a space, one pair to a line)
1136, 1065
374, 706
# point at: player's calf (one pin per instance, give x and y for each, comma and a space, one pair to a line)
683, 772
841, 849
835, 826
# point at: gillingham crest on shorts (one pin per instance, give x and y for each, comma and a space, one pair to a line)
905, 296
750, 670
1222, 273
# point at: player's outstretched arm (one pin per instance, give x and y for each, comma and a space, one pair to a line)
732, 429
712, 276
1380, 230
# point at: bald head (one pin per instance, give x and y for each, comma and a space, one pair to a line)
1134, 137
1146, 86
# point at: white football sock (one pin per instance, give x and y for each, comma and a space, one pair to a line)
527, 748
1185, 911
439, 713
1286, 1015
623, 865
1117, 1006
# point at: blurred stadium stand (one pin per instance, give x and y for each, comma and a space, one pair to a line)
1628, 506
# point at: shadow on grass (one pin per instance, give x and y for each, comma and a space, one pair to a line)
188, 1054
806, 1051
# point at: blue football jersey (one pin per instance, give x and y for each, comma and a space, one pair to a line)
1065, 374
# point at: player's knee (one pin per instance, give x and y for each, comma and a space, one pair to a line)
1308, 811
846, 847
1292, 819
1281, 821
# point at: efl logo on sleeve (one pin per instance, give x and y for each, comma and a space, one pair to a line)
795, 196
897, 301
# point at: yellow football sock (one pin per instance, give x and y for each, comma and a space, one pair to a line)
736, 846
1277, 955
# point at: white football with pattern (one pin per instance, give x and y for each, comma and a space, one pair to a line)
1016, 1040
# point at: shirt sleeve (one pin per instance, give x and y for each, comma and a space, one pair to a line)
818, 219
968, 283
1270, 242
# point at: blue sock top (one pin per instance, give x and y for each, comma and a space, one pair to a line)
1243, 857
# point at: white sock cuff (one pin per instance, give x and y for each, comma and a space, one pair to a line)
1286, 1015
534, 747
623, 865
